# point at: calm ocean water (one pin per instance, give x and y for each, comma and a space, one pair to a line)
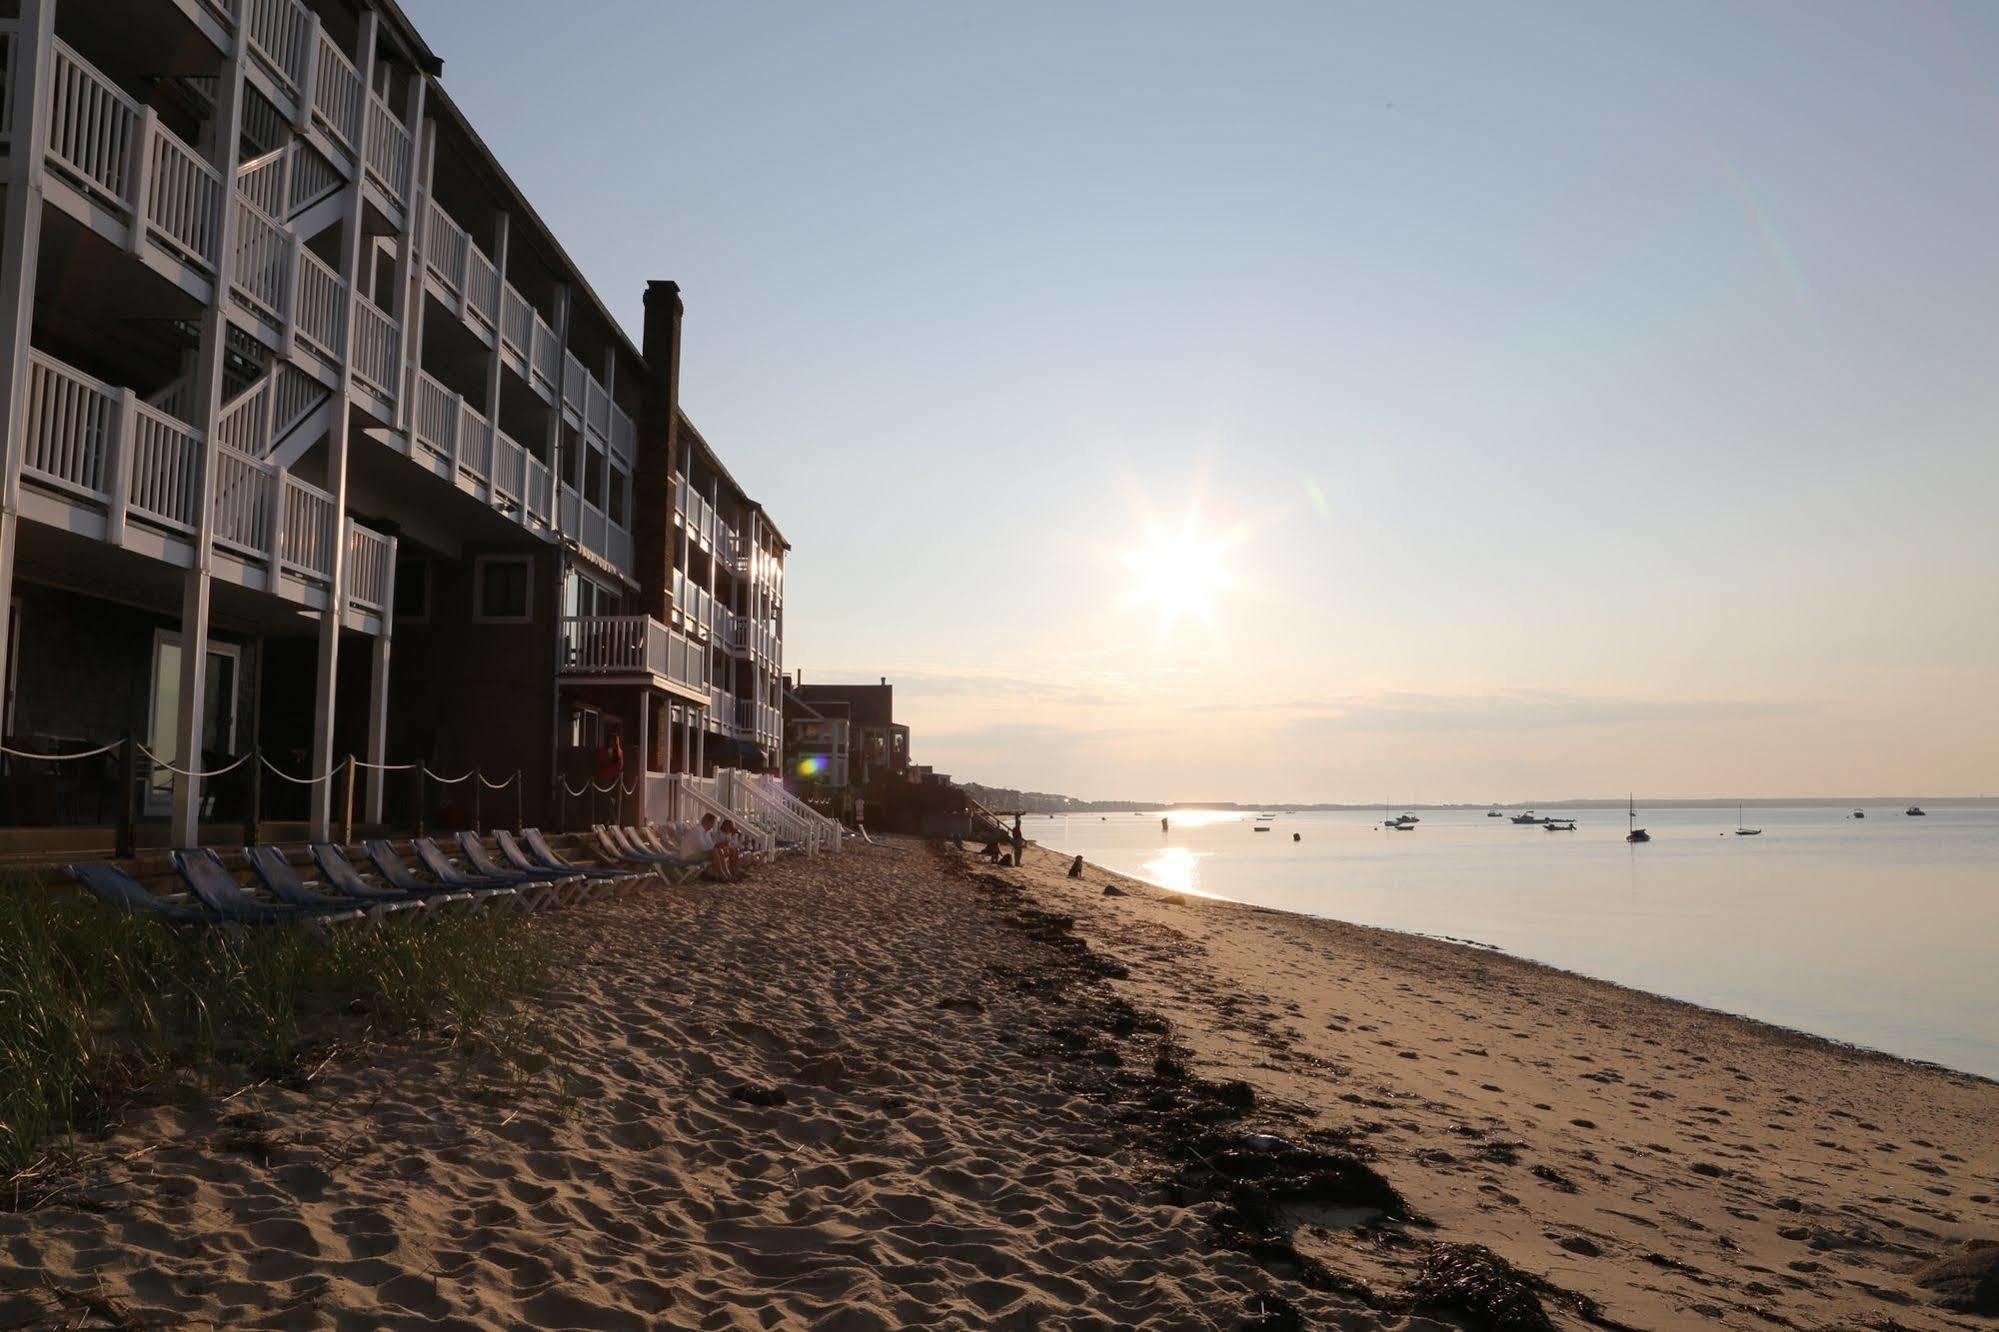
1883, 932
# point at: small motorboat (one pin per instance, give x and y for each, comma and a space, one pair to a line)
1741, 831
1261, 827
1494, 813
1529, 817
1400, 826
1859, 813
1560, 825
1266, 816
1916, 812
1409, 818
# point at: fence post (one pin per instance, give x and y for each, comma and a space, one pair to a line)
478, 798
520, 811
128, 804
420, 775
347, 812
255, 818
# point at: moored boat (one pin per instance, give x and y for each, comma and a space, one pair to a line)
1916, 812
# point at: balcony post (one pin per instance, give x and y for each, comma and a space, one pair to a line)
124, 440
142, 177
28, 96
206, 408
406, 301
494, 367
330, 624
308, 78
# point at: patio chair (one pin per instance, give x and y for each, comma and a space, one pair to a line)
121, 890
215, 888
283, 882
482, 862
339, 874
594, 876
673, 866
530, 893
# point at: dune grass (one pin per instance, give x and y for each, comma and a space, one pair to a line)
96, 1004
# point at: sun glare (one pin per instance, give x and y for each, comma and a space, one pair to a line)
1178, 575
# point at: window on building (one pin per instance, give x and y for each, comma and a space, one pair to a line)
502, 587
616, 506
412, 588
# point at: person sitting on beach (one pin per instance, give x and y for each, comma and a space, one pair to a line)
701, 842
732, 844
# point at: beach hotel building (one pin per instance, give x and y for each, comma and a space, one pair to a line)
318, 444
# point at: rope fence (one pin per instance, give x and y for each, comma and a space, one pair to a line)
137, 755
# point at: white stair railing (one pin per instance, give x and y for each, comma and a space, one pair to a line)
695, 796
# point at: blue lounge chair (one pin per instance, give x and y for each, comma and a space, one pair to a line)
622, 877
339, 874
215, 888
482, 862
616, 844
283, 882
438, 866
590, 877
121, 890
396, 873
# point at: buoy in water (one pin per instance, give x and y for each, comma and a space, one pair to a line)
1297, 837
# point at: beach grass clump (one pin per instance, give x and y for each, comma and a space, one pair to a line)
97, 1004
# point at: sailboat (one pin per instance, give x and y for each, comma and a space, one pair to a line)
1741, 831
1637, 834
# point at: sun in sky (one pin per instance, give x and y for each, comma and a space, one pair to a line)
1180, 572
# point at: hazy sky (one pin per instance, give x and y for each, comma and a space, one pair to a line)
1538, 399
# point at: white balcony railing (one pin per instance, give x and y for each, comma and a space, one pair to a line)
435, 420
262, 276
116, 150
539, 501
279, 31
620, 644
475, 441
517, 321
165, 469
371, 567
320, 308
388, 155
545, 359
509, 469
184, 201
377, 346
337, 94
245, 498
306, 545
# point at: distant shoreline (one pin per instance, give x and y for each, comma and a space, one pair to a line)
1887, 803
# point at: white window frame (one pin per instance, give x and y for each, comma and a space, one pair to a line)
159, 799
479, 566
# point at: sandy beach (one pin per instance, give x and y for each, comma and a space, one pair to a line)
895, 1088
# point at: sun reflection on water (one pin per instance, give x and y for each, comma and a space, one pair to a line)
1175, 868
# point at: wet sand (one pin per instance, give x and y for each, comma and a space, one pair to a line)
894, 1089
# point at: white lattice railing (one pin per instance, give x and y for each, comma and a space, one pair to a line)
435, 420
184, 201
245, 493
306, 545
377, 347
371, 567
539, 501
72, 422
517, 321
92, 125
337, 94
266, 180
509, 468
388, 157
475, 441
165, 469
320, 310
279, 33
262, 275
546, 360
695, 796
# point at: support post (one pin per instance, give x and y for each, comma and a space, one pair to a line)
417, 820
327, 679
128, 800
478, 798
28, 112
255, 818
347, 810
